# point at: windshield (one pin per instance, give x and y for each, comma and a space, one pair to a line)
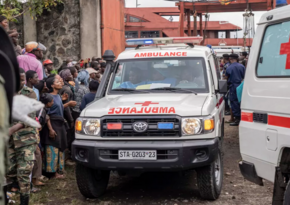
160, 74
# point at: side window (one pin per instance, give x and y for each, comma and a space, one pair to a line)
274, 58
212, 81
149, 34
213, 71
131, 34
135, 19
217, 68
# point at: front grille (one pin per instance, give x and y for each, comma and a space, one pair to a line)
161, 154
260, 117
152, 130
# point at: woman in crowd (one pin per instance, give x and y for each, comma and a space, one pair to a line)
54, 136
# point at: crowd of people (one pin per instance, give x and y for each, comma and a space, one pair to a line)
233, 68
38, 154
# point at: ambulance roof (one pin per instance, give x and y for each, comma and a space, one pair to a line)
276, 14
166, 51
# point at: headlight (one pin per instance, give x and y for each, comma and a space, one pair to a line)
191, 126
89, 126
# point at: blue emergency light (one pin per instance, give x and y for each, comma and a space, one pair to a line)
280, 3
165, 125
163, 40
132, 42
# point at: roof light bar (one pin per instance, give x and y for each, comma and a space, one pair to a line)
169, 40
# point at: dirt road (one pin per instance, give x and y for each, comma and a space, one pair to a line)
164, 188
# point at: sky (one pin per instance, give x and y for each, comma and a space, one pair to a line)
235, 18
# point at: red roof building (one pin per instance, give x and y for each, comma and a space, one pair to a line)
148, 22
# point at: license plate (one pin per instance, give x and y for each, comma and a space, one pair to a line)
137, 155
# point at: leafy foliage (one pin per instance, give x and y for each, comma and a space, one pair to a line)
14, 8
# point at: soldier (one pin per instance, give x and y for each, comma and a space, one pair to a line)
4, 125
22, 146
9, 85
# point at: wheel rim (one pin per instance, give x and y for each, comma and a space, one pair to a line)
217, 170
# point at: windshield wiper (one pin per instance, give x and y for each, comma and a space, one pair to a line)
130, 90
175, 89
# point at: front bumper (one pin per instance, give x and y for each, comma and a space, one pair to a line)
171, 155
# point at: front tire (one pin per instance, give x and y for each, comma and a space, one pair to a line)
287, 195
210, 179
91, 183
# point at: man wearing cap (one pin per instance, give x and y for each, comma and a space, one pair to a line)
235, 74
31, 61
94, 75
227, 62
48, 67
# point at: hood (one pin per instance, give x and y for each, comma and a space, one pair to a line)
144, 104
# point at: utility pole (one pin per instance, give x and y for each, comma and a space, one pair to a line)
137, 4
237, 36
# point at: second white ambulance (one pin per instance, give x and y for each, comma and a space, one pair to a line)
265, 124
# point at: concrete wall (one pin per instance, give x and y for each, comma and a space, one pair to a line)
90, 26
30, 33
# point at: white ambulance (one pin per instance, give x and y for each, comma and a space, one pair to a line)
158, 108
265, 125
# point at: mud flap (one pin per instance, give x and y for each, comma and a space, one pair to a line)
249, 172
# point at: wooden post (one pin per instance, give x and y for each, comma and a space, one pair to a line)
188, 24
181, 19
194, 25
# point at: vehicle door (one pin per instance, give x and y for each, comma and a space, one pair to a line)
215, 72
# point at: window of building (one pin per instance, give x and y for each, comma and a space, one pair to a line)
125, 18
221, 34
149, 34
274, 55
135, 19
131, 34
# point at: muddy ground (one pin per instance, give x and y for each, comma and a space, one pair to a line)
163, 188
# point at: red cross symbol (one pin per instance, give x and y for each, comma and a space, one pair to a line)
146, 103
285, 50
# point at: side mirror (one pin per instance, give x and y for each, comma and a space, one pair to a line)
223, 86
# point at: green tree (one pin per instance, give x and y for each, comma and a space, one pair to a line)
14, 8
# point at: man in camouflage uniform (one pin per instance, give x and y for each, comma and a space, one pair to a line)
14, 107
4, 125
22, 146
